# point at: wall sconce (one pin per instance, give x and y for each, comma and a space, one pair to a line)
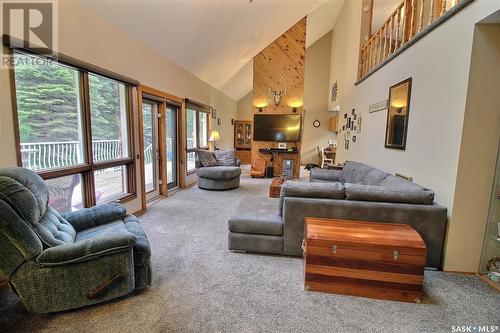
295, 105
261, 106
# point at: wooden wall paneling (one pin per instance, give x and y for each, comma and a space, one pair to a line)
281, 64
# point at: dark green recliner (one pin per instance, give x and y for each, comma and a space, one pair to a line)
55, 262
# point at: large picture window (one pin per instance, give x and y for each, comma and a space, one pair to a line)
196, 132
74, 131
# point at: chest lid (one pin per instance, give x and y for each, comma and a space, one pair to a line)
363, 235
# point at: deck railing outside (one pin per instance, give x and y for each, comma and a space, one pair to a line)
409, 19
48, 155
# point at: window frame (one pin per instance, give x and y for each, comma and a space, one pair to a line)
88, 167
199, 108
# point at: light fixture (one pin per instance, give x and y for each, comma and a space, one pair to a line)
214, 136
295, 104
260, 105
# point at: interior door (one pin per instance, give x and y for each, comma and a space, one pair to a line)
171, 137
150, 121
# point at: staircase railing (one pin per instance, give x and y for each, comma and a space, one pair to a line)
407, 21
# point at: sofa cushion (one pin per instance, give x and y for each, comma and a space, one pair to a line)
206, 158
322, 175
322, 190
256, 217
219, 172
226, 157
388, 194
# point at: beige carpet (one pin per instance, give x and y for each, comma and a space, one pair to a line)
199, 286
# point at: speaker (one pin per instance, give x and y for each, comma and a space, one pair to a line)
269, 172
288, 169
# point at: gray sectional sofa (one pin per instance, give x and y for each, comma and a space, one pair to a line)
358, 192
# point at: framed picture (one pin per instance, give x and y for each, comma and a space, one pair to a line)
354, 138
397, 115
214, 113
219, 121
346, 144
282, 145
316, 123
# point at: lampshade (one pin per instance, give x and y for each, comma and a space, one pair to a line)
214, 136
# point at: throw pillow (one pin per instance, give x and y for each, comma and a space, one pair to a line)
226, 157
206, 158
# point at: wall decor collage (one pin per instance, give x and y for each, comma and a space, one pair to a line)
351, 127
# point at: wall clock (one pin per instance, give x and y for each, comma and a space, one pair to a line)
316, 123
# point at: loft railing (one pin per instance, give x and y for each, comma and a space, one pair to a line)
407, 21
47, 155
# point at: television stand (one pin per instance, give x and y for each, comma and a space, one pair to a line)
276, 152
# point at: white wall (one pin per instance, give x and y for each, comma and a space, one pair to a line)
85, 36
316, 98
439, 65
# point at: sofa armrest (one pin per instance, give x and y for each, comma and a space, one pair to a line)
87, 249
326, 175
90, 217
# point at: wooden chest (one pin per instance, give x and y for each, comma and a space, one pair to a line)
377, 260
275, 188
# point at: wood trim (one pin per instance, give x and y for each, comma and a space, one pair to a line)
162, 147
492, 284
112, 163
156, 92
140, 154
61, 172
13, 96
181, 145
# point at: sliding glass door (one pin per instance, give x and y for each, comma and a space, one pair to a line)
150, 111
171, 138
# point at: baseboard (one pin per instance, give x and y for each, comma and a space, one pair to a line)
493, 284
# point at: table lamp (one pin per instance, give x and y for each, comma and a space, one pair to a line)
214, 136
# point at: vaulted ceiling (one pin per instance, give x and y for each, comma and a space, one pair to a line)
216, 39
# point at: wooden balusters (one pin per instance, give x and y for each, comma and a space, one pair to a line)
398, 25
421, 17
431, 14
385, 40
407, 20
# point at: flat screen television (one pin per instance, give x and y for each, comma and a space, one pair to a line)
276, 127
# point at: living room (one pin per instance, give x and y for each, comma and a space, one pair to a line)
129, 141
